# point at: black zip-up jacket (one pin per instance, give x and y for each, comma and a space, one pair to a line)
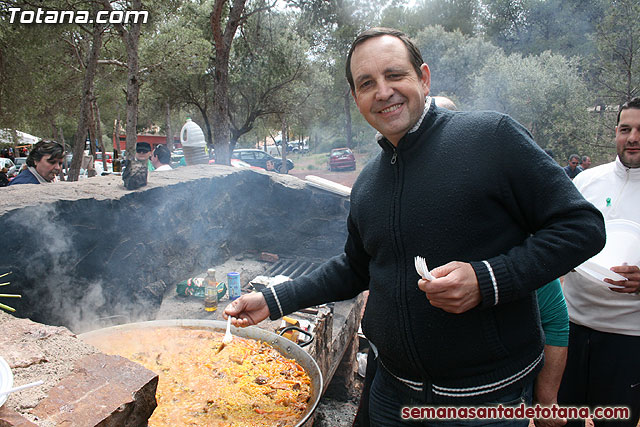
465, 186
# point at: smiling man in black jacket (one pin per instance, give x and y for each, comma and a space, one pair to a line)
496, 232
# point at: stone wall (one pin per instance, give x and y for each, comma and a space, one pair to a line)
85, 250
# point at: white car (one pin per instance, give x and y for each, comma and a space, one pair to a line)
12, 169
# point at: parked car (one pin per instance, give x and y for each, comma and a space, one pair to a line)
19, 163
236, 163
342, 158
298, 146
177, 159
7, 163
109, 157
259, 158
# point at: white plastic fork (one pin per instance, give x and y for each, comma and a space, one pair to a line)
422, 269
227, 335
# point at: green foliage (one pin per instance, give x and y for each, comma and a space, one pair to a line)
546, 62
546, 93
453, 59
452, 15
267, 47
618, 50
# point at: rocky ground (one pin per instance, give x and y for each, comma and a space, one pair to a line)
337, 409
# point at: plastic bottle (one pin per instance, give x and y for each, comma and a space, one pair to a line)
211, 291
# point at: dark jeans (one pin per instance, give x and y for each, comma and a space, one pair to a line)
603, 369
388, 396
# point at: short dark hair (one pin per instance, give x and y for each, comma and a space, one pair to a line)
43, 148
585, 158
574, 156
163, 154
633, 103
415, 57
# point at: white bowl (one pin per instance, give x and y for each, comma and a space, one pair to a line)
598, 273
6, 379
623, 244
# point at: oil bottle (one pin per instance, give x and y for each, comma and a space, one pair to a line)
211, 291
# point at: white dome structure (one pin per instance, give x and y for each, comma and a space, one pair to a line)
193, 144
191, 135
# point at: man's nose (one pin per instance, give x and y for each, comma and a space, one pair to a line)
634, 136
384, 91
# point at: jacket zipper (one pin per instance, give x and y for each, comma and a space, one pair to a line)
397, 241
618, 196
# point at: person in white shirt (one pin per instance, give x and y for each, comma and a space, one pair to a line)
161, 158
603, 365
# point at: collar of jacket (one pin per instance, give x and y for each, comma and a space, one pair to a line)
623, 172
425, 121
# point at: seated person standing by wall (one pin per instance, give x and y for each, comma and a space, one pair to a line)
161, 158
44, 163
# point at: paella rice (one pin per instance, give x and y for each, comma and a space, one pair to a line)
247, 383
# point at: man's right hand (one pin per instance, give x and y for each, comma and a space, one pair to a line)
249, 309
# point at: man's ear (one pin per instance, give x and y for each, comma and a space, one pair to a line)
425, 79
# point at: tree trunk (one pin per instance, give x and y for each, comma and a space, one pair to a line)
169, 131
116, 137
85, 103
131, 38
98, 128
65, 163
347, 118
133, 88
283, 167
223, 39
91, 171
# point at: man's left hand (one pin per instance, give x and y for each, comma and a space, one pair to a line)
632, 273
455, 287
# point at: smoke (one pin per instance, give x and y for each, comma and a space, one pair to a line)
90, 263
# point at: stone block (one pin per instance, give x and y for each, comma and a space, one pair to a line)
10, 418
268, 257
103, 390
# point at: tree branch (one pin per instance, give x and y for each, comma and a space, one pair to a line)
113, 62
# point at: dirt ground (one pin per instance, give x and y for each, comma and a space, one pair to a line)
341, 177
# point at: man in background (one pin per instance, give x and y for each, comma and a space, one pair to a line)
161, 158
603, 365
573, 168
143, 153
585, 163
44, 163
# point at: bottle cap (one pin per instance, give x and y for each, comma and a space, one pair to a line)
211, 271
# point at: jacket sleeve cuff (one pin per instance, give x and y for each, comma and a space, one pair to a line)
494, 286
278, 300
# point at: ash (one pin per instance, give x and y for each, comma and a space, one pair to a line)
337, 407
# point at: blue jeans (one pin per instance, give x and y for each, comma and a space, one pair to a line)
388, 396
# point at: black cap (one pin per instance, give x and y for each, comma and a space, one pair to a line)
143, 146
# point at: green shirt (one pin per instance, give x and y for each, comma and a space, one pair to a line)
553, 314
